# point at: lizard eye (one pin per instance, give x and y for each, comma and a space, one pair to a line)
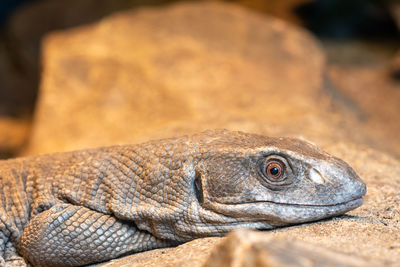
274, 169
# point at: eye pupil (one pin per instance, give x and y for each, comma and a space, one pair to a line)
274, 171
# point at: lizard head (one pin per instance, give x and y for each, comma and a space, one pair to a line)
266, 182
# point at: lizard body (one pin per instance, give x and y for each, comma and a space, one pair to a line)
76, 208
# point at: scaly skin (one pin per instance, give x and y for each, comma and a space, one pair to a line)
81, 207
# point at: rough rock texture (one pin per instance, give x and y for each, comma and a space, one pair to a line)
371, 232
191, 254
140, 74
20, 38
165, 71
256, 249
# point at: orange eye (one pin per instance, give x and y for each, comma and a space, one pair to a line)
274, 169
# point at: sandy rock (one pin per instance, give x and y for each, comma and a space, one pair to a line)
184, 68
20, 43
257, 249
22, 34
191, 254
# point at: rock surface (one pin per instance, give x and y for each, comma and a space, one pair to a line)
160, 72
166, 71
20, 38
20, 41
191, 254
256, 249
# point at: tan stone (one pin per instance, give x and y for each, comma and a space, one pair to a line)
166, 71
256, 249
184, 68
191, 254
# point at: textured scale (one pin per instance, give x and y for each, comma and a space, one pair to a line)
81, 207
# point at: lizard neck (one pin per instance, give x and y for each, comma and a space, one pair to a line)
145, 184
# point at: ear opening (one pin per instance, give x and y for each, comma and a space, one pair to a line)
198, 187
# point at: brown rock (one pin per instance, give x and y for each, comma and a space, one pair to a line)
20, 41
160, 72
191, 254
245, 248
21, 36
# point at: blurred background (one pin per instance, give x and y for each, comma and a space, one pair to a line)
77, 74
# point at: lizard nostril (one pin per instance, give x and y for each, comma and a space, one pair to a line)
316, 176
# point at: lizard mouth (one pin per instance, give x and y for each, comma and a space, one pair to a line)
300, 213
359, 201
280, 214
